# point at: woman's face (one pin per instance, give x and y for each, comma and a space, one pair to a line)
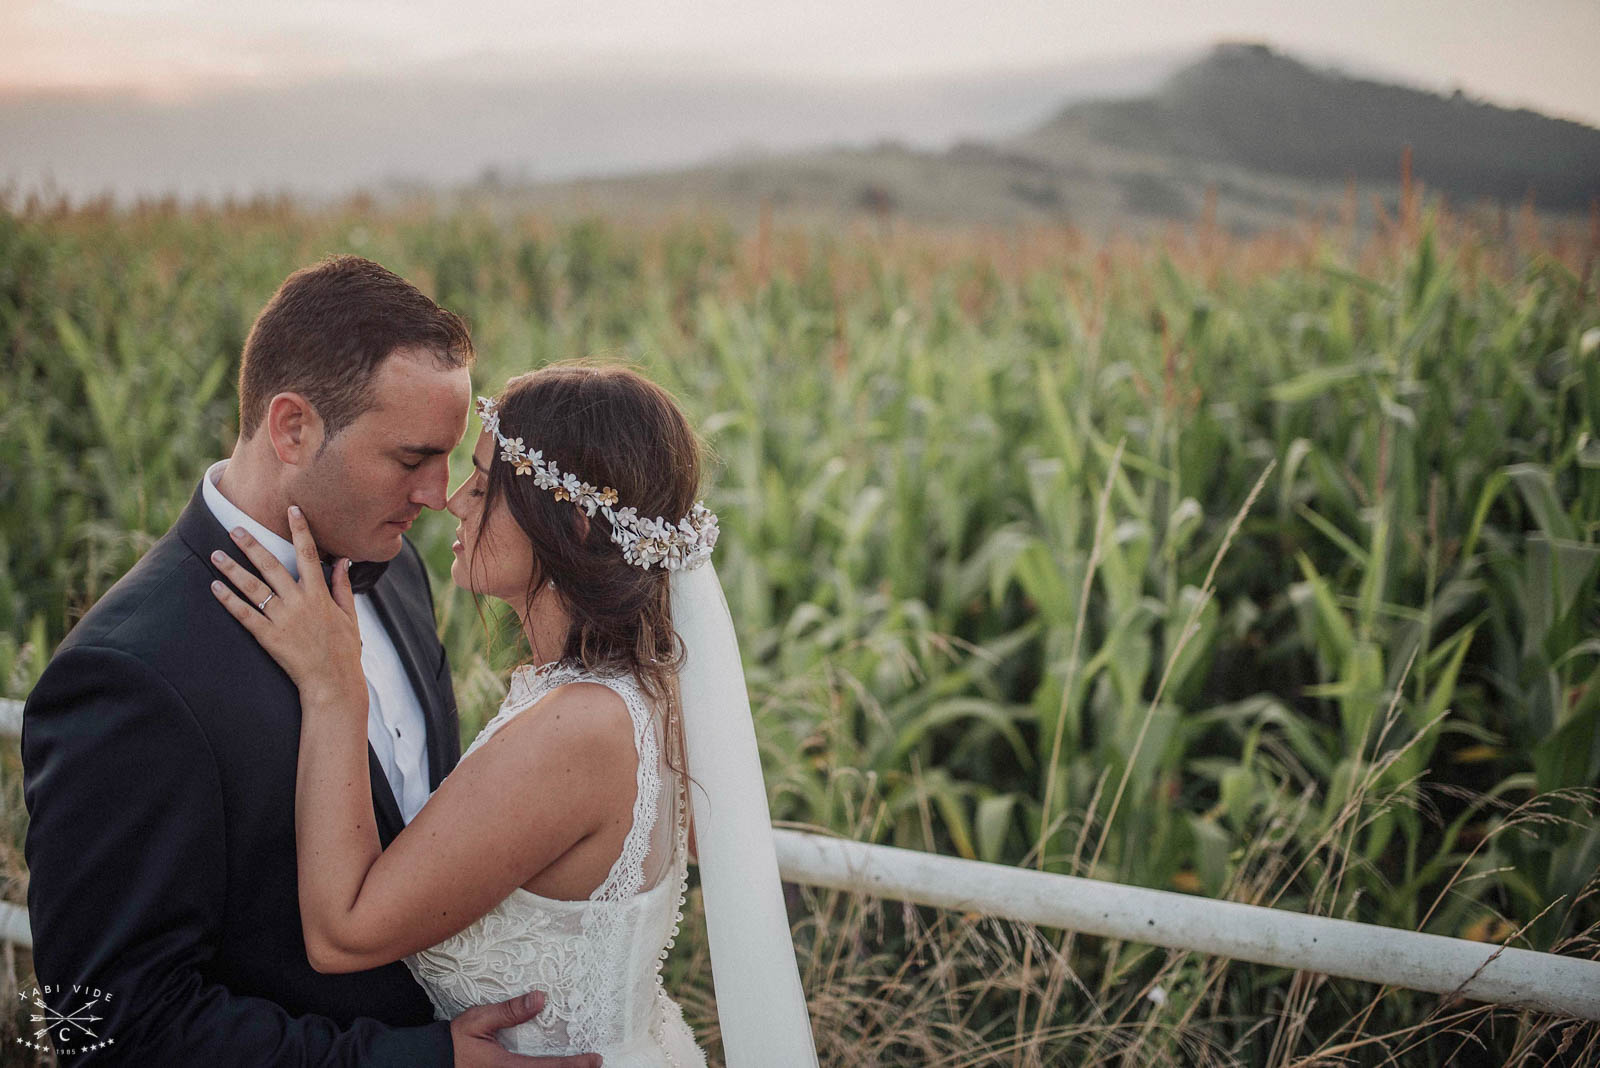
499, 563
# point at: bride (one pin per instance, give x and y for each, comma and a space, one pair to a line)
555, 855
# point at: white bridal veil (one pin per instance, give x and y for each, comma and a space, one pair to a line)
760, 1003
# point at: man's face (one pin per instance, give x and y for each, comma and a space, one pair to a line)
364, 489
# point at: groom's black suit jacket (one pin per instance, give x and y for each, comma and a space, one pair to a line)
159, 751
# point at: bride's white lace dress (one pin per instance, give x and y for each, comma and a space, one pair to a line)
598, 961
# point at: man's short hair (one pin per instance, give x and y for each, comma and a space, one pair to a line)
328, 329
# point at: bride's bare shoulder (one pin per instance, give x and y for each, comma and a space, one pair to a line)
585, 718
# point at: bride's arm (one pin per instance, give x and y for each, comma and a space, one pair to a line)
545, 782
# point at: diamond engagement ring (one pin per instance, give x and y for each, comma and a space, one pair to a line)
262, 607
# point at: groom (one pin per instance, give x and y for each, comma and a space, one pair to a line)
160, 745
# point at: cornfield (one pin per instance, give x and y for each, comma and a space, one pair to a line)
1261, 568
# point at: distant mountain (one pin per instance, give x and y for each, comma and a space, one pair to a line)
1260, 136
1256, 109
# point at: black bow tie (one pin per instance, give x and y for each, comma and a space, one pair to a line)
364, 574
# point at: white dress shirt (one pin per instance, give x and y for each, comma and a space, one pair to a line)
395, 725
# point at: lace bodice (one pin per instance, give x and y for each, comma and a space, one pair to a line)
598, 961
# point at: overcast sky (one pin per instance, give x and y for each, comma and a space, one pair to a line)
1537, 53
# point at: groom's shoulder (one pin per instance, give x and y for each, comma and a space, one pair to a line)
151, 602
133, 648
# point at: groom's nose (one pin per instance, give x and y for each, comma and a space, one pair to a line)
434, 488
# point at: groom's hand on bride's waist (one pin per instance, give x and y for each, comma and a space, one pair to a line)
476, 1047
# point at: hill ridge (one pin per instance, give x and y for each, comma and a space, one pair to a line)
1250, 106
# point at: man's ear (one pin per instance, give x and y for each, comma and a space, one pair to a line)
294, 428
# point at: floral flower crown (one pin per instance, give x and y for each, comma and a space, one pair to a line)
645, 542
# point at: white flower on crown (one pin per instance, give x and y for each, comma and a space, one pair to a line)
645, 542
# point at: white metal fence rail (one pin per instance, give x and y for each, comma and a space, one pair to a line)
1546, 982
10, 718
13, 918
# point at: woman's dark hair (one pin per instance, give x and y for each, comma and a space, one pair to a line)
328, 329
611, 427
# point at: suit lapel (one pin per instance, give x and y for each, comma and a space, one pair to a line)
202, 533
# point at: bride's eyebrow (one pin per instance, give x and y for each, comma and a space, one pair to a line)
484, 471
